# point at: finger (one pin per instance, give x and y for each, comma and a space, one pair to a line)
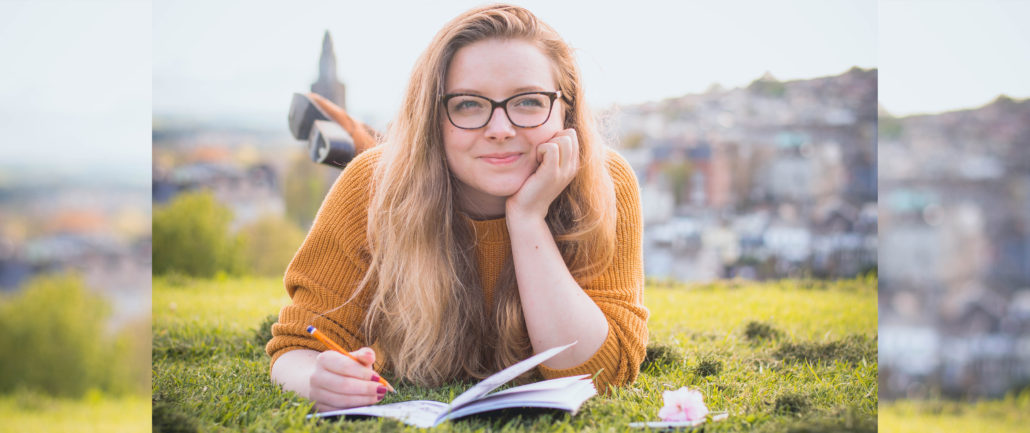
554, 138
366, 355
328, 400
339, 364
334, 383
547, 154
567, 144
574, 154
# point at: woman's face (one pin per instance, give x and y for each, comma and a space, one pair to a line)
491, 163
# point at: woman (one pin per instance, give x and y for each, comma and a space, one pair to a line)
489, 225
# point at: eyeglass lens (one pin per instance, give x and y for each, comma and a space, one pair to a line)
526, 111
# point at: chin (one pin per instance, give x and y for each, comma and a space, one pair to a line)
503, 187
503, 191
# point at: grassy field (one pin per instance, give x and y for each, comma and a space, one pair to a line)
782, 356
35, 413
1011, 414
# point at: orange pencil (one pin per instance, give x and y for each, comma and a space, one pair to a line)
332, 345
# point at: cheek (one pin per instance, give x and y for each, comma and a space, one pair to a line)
457, 145
546, 131
455, 141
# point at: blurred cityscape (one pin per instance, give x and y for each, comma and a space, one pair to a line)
242, 167
99, 230
954, 298
776, 179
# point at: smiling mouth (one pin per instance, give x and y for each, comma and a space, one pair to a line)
501, 159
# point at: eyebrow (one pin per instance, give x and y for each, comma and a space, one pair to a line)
518, 90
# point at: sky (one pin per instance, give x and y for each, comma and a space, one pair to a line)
943, 55
82, 80
221, 57
75, 89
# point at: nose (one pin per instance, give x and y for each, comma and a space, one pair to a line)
499, 128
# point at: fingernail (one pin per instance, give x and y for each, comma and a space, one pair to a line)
375, 377
381, 390
380, 397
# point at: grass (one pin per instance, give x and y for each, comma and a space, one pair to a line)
28, 412
1011, 414
781, 356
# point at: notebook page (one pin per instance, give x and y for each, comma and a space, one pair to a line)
504, 376
568, 399
561, 382
419, 413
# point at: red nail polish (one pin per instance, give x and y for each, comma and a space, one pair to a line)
381, 390
375, 377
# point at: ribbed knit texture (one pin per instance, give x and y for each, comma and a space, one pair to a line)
334, 258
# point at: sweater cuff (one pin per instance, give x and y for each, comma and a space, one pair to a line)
606, 358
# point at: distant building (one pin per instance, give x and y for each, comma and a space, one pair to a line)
731, 156
327, 84
954, 260
13, 268
250, 192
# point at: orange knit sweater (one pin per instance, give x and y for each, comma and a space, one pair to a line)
334, 258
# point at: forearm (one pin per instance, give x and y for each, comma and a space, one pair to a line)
556, 309
293, 371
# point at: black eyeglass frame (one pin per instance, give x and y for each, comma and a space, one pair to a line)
503, 104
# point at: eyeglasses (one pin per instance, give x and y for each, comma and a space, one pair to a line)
524, 110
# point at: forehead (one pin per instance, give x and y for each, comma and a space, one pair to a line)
497, 68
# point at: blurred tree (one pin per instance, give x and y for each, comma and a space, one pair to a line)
304, 188
269, 244
53, 338
677, 173
633, 140
768, 86
191, 236
889, 127
130, 363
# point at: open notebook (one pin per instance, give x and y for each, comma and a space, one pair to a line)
564, 393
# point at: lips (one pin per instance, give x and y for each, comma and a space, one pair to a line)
501, 158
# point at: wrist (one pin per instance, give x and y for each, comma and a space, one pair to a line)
293, 370
516, 214
520, 221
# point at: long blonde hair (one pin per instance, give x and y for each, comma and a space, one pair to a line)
427, 315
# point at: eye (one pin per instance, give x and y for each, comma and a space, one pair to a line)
466, 104
530, 101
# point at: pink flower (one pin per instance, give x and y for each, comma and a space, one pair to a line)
683, 404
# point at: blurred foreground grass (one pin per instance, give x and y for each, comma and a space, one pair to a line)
27, 412
1011, 414
780, 356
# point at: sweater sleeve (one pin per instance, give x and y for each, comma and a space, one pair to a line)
618, 291
326, 270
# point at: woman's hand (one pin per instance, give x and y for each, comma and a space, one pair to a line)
339, 382
559, 163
